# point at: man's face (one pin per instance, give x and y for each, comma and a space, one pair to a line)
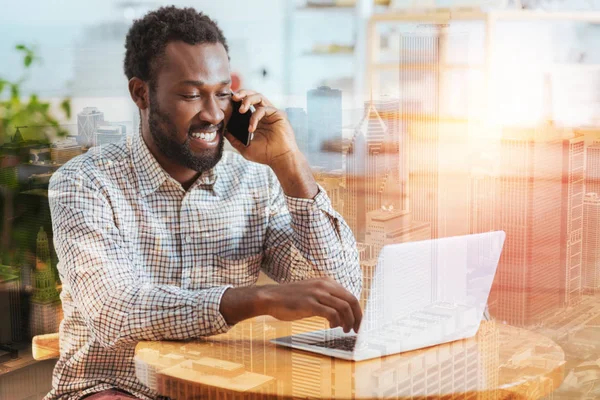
190, 104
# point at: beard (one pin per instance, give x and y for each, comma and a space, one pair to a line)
164, 133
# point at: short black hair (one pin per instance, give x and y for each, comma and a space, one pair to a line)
148, 37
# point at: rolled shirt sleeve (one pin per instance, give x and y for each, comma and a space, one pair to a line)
307, 238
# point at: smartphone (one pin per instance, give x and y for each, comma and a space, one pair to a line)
239, 123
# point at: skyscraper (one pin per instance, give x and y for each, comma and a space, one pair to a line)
592, 169
298, 120
453, 178
106, 134
420, 110
45, 302
572, 218
483, 200
591, 243
366, 171
391, 227
87, 121
324, 112
333, 186
529, 276
311, 374
395, 150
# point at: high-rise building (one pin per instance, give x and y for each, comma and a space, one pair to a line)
483, 200
592, 169
420, 109
489, 360
333, 186
365, 251
45, 302
246, 348
366, 171
412, 231
368, 267
572, 218
106, 134
527, 287
391, 227
324, 115
87, 121
395, 150
591, 243
299, 122
311, 375
453, 178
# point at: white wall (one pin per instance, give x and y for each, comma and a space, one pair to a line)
91, 69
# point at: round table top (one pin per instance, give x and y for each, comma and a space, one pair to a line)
500, 361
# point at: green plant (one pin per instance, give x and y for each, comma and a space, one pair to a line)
32, 112
17, 111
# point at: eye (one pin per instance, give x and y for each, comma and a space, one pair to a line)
224, 95
190, 96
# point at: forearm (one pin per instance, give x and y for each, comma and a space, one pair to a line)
292, 301
294, 175
238, 304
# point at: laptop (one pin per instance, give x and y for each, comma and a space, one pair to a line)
420, 294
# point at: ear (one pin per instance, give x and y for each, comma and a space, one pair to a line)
138, 89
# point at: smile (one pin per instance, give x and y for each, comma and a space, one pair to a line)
204, 140
208, 137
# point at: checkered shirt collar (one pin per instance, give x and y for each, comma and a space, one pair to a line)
151, 175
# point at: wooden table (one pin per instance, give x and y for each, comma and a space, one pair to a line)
499, 362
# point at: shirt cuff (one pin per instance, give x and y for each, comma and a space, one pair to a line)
310, 207
213, 322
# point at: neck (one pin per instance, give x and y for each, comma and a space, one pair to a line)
185, 176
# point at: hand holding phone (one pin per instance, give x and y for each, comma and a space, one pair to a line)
239, 123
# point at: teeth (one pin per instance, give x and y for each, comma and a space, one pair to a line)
209, 137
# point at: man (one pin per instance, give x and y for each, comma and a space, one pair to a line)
162, 237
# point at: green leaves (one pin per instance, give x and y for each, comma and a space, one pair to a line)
65, 105
33, 112
14, 90
29, 56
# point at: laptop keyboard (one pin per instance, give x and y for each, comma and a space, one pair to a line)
346, 343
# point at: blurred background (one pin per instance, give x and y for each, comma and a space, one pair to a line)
421, 119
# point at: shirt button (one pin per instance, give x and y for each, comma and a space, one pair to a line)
188, 239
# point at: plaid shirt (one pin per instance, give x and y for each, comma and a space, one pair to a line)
142, 259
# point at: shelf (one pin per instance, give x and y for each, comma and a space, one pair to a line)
516, 15
433, 15
312, 7
423, 66
473, 15
381, 9
326, 54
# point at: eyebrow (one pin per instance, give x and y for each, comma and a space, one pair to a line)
201, 83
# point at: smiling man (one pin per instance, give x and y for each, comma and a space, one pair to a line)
162, 236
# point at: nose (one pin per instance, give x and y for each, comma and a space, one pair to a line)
211, 111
